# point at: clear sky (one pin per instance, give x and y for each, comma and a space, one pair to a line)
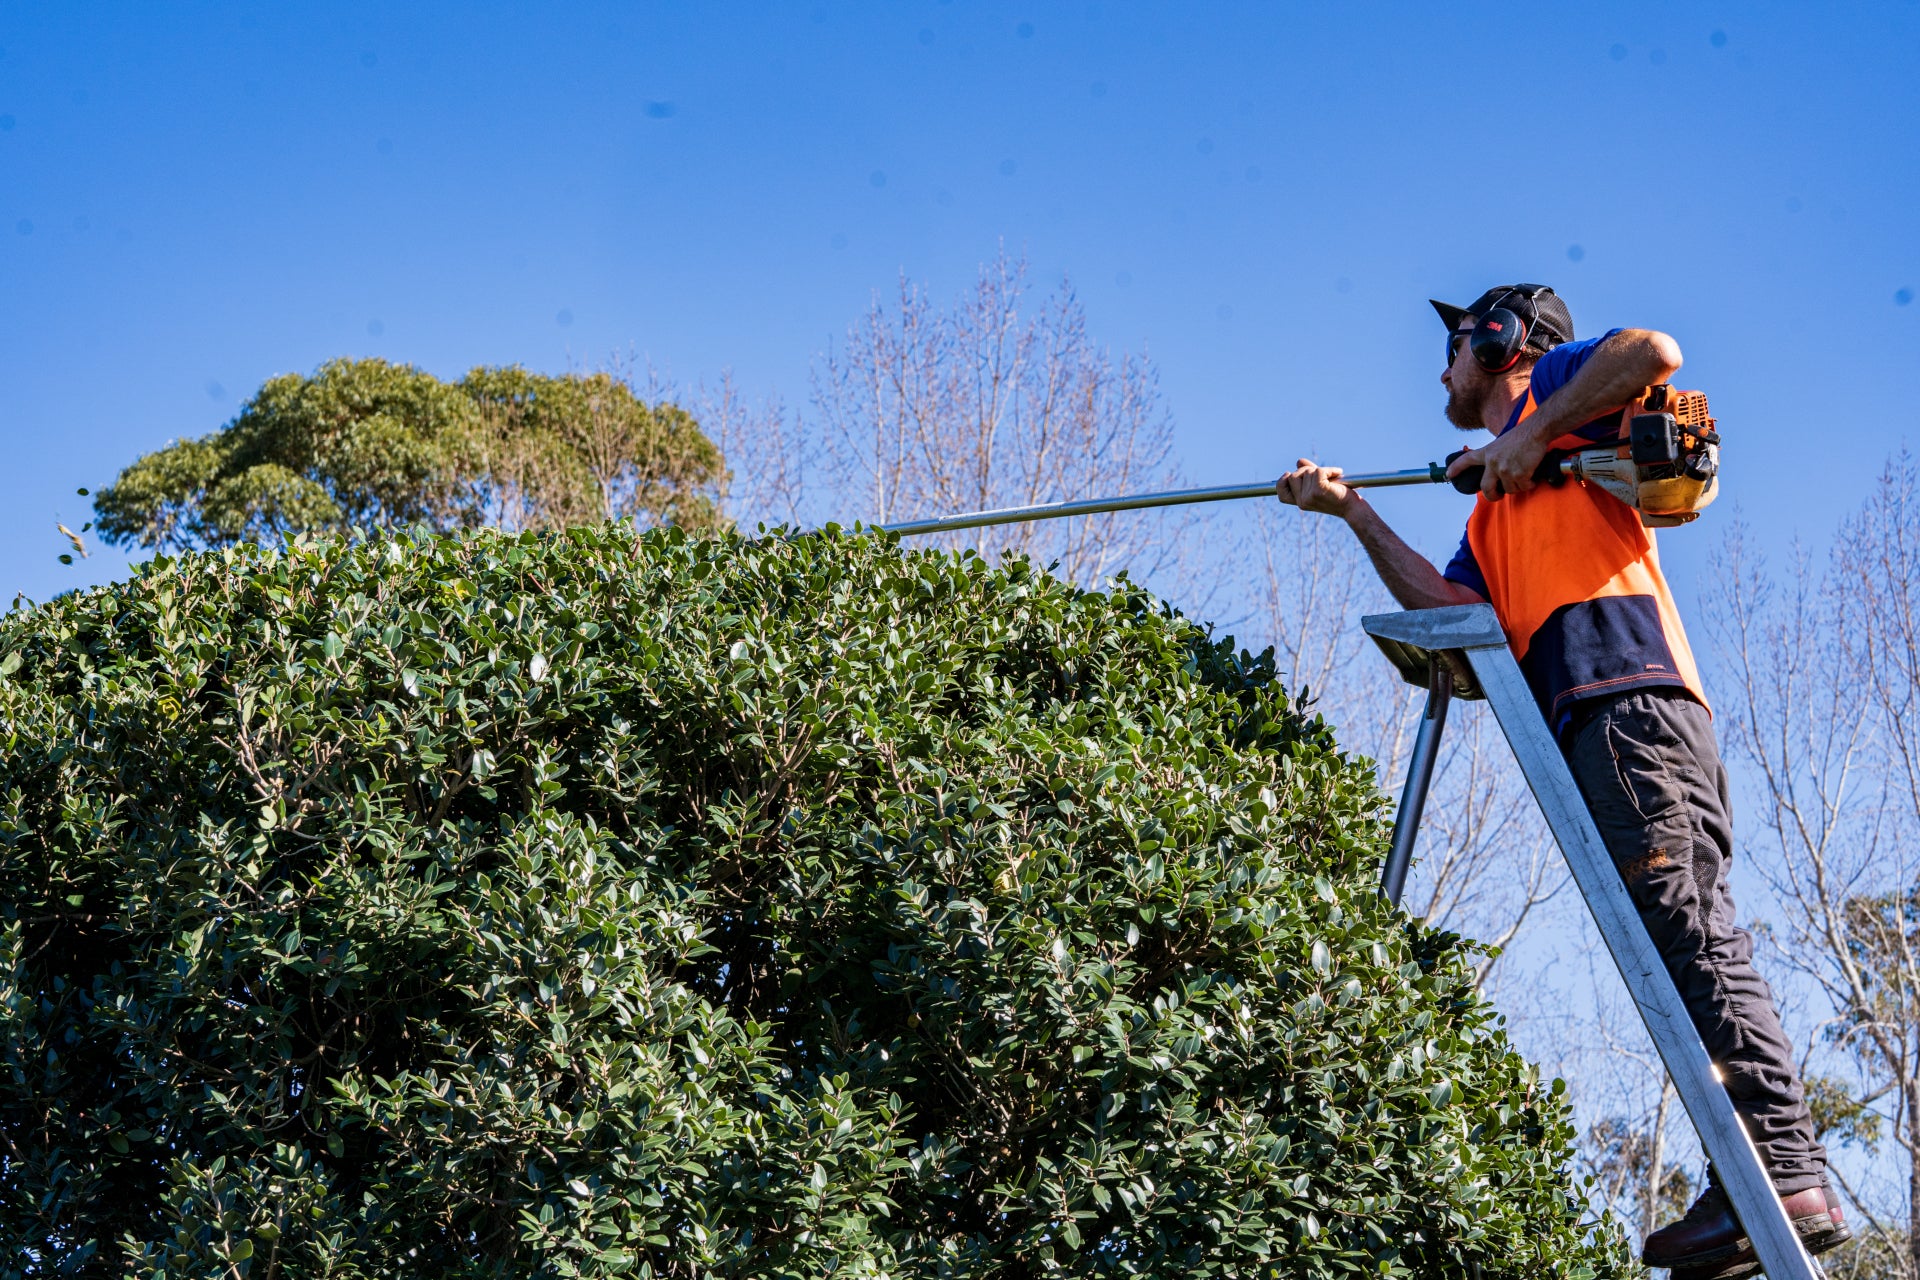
194, 197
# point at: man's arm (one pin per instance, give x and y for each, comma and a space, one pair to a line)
1408, 575
1617, 371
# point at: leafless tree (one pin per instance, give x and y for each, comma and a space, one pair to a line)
1824, 708
999, 402
770, 457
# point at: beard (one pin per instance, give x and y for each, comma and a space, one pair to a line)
1464, 404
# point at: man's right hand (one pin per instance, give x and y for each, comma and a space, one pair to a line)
1315, 488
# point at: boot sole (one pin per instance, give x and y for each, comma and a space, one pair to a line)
1817, 1235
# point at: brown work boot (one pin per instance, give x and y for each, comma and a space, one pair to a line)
1709, 1241
1818, 1236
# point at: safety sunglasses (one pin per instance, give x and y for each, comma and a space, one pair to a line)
1455, 337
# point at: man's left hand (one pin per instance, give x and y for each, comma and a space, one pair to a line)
1510, 461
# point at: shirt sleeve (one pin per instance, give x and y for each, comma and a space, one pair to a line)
1556, 368
1465, 570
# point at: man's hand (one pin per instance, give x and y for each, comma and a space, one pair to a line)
1314, 488
1414, 582
1510, 461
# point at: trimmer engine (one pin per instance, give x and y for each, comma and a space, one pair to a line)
1665, 466
1665, 463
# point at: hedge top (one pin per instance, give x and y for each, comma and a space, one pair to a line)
621, 904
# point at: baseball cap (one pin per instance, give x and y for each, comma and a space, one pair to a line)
1553, 327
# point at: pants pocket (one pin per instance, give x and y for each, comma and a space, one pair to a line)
1631, 770
1647, 763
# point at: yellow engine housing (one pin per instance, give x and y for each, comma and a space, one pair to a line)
1664, 494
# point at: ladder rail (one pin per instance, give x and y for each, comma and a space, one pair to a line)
1413, 797
1473, 633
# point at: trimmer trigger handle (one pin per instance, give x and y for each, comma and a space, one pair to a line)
1468, 481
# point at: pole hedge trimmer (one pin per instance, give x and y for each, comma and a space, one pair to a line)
1665, 464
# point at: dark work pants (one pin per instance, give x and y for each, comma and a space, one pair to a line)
1648, 766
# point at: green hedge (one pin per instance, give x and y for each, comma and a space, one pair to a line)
605, 904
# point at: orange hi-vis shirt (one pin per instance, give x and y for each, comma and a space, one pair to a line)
1575, 577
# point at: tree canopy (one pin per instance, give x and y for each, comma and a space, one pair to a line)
369, 444
612, 903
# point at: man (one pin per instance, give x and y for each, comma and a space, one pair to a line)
1576, 582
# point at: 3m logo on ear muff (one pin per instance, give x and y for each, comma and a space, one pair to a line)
1500, 335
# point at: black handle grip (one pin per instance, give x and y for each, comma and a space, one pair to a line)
1548, 472
1467, 481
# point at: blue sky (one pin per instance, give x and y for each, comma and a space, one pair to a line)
196, 197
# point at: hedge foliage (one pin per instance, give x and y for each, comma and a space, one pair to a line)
647, 905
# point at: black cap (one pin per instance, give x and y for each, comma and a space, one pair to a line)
1553, 326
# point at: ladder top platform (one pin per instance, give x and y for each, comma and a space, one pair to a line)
1410, 639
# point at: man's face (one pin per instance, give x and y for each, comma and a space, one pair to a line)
1467, 384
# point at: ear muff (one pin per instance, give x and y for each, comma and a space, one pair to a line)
1497, 339
1500, 335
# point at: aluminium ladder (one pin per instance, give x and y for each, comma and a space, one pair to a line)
1461, 651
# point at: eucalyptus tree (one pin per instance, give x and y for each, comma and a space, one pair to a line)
367, 444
